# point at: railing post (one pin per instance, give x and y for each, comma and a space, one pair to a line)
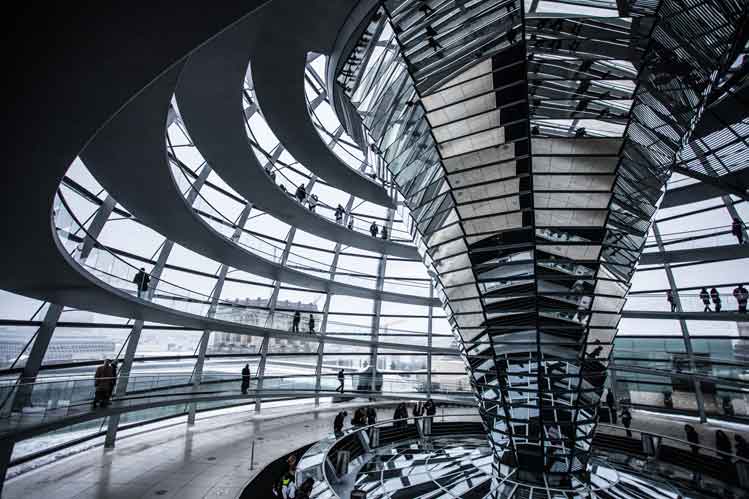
260, 376
429, 340
132, 345
6, 452
326, 311
215, 297
123, 381
36, 357
684, 329
198, 375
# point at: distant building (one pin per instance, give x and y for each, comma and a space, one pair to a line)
62, 348
254, 312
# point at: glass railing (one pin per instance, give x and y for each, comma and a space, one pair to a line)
46, 401
274, 253
690, 302
119, 273
657, 455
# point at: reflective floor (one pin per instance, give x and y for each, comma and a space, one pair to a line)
212, 459
455, 467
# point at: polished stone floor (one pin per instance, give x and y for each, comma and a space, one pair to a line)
212, 458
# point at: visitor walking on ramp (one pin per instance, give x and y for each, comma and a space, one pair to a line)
245, 379
705, 297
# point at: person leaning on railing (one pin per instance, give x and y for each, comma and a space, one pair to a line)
104, 380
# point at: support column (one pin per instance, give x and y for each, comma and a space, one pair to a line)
378, 306
260, 376
97, 224
6, 452
326, 310
122, 381
123, 375
735, 214
123, 378
321, 343
36, 356
197, 377
684, 328
429, 340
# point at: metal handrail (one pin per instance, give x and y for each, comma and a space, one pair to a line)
354, 430
675, 439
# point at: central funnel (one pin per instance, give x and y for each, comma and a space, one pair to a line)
531, 229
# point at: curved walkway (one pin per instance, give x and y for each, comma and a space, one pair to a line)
209, 94
707, 316
128, 157
709, 254
25, 427
294, 29
208, 460
701, 191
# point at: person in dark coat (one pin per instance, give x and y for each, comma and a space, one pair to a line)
705, 297
692, 437
371, 415
385, 233
742, 296
101, 385
373, 229
341, 380
723, 444
716, 299
245, 379
611, 404
295, 322
338, 421
305, 489
627, 420
311, 324
301, 193
360, 417
430, 408
418, 410
339, 211
142, 280
401, 415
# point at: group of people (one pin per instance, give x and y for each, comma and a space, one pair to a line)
362, 417
740, 293
420, 409
368, 416
722, 443
312, 201
286, 488
374, 229
298, 318
105, 379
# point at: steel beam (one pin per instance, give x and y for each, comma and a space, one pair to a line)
683, 326
197, 376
